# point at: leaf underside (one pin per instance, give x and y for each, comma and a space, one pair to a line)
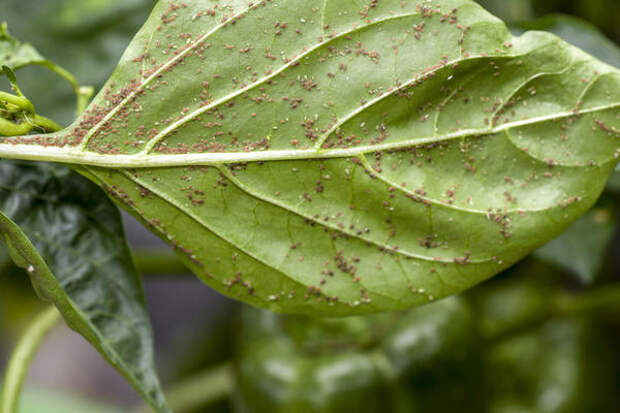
336, 157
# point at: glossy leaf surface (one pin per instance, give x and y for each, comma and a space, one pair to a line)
333, 158
70, 242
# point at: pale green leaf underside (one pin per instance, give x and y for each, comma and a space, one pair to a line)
337, 157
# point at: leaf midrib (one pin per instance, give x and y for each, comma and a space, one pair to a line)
35, 152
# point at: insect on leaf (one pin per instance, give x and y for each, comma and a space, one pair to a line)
342, 157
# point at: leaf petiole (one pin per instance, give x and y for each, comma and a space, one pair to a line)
44, 123
8, 128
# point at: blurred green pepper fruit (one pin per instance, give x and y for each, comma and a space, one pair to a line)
424, 359
535, 363
561, 367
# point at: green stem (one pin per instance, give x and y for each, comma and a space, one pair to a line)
84, 94
22, 357
47, 124
8, 128
209, 387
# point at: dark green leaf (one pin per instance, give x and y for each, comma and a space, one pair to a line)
582, 248
510, 10
613, 184
320, 157
541, 358
78, 17
70, 241
517, 299
577, 32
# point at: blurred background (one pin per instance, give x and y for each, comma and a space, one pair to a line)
192, 324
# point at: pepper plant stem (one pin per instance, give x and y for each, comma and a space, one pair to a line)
22, 356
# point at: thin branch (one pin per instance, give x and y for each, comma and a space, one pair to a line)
22, 356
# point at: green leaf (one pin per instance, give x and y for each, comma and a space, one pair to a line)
70, 241
16, 55
582, 34
17, 114
582, 248
77, 17
91, 55
321, 157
